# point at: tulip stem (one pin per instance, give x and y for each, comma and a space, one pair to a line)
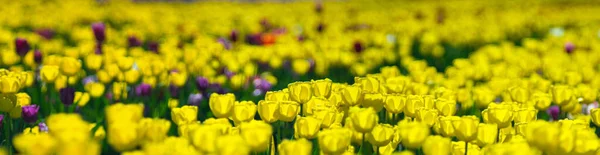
498, 136
466, 148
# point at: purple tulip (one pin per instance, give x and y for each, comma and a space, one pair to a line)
46, 33
195, 99
254, 39
233, 36
21, 46
30, 113
301, 38
174, 90
262, 84
37, 56
153, 46
320, 27
67, 95
358, 47
88, 79
554, 112
225, 43
1, 119
257, 92
143, 90
99, 31
218, 88
228, 73
43, 127
569, 47
133, 41
202, 83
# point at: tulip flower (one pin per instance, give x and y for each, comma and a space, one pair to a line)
99, 31
502, 115
413, 134
133, 41
184, 115
221, 105
373, 100
561, 94
306, 127
466, 128
288, 110
295, 147
243, 111
334, 141
446, 107
95, 89
70, 66
195, 99
203, 138
231, 144
352, 95
257, 135
321, 88
81, 98
487, 134
67, 95
437, 145
21, 46
395, 103
525, 115
268, 110
143, 90
35, 143
277, 96
595, 114
541, 100
381, 135
300, 92
30, 113
123, 136
413, 103
120, 112
49, 73
364, 120
153, 130
554, 112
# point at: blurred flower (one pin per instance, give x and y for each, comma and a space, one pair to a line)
295, 147
358, 46
381, 135
569, 47
554, 112
233, 36
413, 134
334, 141
364, 120
243, 111
306, 127
184, 115
21, 46
195, 99
42, 126
81, 98
437, 145
67, 95
133, 41
257, 135
231, 144
70, 66
99, 31
466, 128
202, 83
30, 113
143, 90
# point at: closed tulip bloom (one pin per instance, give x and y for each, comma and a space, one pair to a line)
541, 100
300, 92
381, 135
373, 100
232, 144
295, 147
49, 73
257, 135
203, 137
21, 46
277, 96
238, 81
9, 85
364, 120
120, 112
466, 128
132, 76
104, 77
458, 148
336, 99
124, 63
67, 95
483, 96
95, 89
288, 110
561, 94
502, 115
179, 78
327, 116
153, 130
587, 93
413, 103
82, 98
300, 66
352, 95
30, 113
123, 136
306, 127
595, 113
184, 115
447, 125
334, 141
395, 103
525, 115
221, 105
519, 94
437, 145
427, 116
70, 66
93, 61
446, 107
268, 110
143, 89
369, 84
487, 134
309, 107
413, 133
321, 88
243, 111
42, 143
585, 142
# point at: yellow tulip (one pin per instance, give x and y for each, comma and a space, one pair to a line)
314, 103
153, 130
300, 92
70, 66
238, 81
243, 111
300, 66
23, 99
595, 113
525, 115
502, 115
447, 125
268, 110
381, 135
437, 145
173, 103
487, 134
427, 116
413, 103
334, 141
541, 100
288, 110
295, 147
446, 107
466, 128
95, 89
120, 112
203, 137
132, 76
123, 136
49, 73
327, 116
277, 96
395, 103
483, 96
364, 120
81, 98
413, 133
257, 135
7, 102
9, 84
585, 142
321, 88
221, 105
519, 94
306, 127
561, 94
373, 100
390, 71
42, 143
179, 78
119, 90
458, 148
184, 115
352, 95
124, 63
232, 144
93, 61
369, 84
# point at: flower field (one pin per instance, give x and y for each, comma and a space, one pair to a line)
362, 77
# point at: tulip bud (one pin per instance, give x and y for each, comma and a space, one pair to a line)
364, 120
373, 100
21, 46
143, 90
396, 84
70, 66
427, 116
257, 135
501, 115
381, 135
487, 134
153, 130
395, 103
96, 90
519, 94
221, 105
413, 103
295, 147
437, 145
288, 110
99, 31
202, 83
67, 95
300, 92
447, 125
352, 95
103, 77
30, 113
561, 94
525, 115
306, 127
300, 66
132, 76
466, 128
81, 98
483, 96
203, 137
369, 84
268, 110
541, 100
243, 111
184, 115
334, 141
277, 96
9, 85
595, 114
123, 136
120, 112
321, 88
413, 133
49, 73
446, 107
458, 148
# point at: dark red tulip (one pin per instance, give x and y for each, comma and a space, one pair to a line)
99, 31
21, 46
67, 95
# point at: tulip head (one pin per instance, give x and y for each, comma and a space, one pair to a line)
49, 73
486, 134
306, 127
268, 110
364, 120
466, 128
321, 88
288, 110
502, 115
184, 115
295, 147
437, 145
257, 135
243, 111
395, 103
221, 105
334, 141
381, 135
300, 92
352, 95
